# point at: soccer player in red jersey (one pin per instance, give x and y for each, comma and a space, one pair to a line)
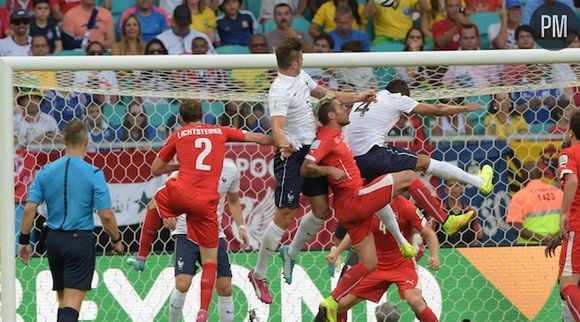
570, 218
354, 202
200, 149
392, 266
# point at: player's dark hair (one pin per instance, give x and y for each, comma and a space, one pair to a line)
523, 28
288, 52
37, 2
190, 110
75, 133
398, 86
324, 107
575, 124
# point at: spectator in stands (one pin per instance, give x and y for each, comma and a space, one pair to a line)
64, 106
98, 127
4, 22
153, 20
254, 80
446, 32
363, 78
13, 5
131, 38
179, 38
80, 26
268, 8
44, 79
534, 211
202, 18
323, 43
474, 6
170, 5
203, 79
60, 7
454, 205
393, 23
409, 133
458, 124
503, 34
155, 79
34, 126
416, 75
283, 21
258, 121
325, 18
19, 43
532, 5
503, 119
344, 31
43, 24
435, 13
314, 5
471, 76
563, 113
103, 80
136, 126
234, 26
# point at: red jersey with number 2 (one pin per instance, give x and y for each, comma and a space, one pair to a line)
200, 150
570, 163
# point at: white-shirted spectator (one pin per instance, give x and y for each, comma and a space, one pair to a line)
178, 39
503, 34
19, 43
33, 125
104, 80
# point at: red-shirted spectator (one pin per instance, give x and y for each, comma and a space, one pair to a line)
4, 21
12, 5
446, 32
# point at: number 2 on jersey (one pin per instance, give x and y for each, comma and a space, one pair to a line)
204, 143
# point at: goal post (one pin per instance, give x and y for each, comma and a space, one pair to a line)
13, 71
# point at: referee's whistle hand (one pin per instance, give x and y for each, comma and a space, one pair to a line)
24, 253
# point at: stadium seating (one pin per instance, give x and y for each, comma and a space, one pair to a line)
73, 52
483, 20
254, 7
232, 49
297, 23
395, 46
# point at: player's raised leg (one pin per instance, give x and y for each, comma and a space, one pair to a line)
151, 225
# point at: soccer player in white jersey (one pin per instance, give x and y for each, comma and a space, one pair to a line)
294, 129
371, 123
187, 252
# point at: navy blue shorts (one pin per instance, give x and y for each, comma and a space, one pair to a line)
382, 160
187, 257
71, 258
289, 183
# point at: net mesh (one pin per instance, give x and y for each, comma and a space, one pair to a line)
130, 113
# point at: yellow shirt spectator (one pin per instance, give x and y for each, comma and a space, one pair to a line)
439, 13
393, 23
203, 20
324, 17
504, 128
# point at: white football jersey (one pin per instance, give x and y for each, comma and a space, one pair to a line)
370, 123
229, 183
290, 97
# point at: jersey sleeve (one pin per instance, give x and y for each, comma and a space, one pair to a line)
235, 185
168, 150
309, 81
406, 104
35, 192
101, 195
319, 149
235, 135
278, 102
567, 163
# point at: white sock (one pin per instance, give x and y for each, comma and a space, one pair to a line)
226, 309
309, 226
176, 305
270, 242
388, 218
448, 171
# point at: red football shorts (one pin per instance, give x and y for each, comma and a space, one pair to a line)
354, 211
377, 282
570, 255
200, 207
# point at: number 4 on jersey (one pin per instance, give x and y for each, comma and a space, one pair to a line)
362, 108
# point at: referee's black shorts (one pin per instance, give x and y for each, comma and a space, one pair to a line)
71, 258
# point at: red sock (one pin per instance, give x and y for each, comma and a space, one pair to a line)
427, 201
349, 280
208, 277
427, 315
342, 316
571, 295
151, 226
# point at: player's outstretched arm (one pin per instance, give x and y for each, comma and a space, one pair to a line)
570, 186
433, 243
159, 167
310, 169
109, 222
236, 210
335, 251
444, 109
259, 138
344, 97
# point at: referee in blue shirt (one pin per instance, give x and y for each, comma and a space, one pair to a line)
71, 188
